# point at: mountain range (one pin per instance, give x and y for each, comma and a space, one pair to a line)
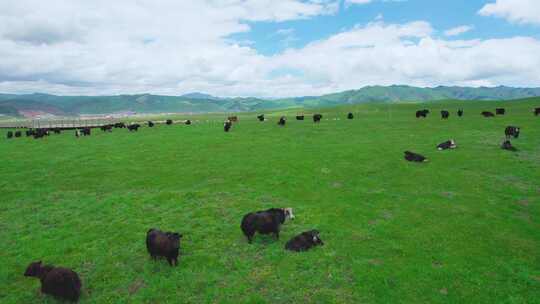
38, 104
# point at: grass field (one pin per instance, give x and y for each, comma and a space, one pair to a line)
462, 228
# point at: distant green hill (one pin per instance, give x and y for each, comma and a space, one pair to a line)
13, 105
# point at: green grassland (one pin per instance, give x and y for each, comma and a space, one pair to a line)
462, 228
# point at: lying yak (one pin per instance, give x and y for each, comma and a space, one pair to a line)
282, 121
317, 118
260, 117
265, 222
500, 111
169, 122
304, 241
511, 131
299, 117
507, 145
62, 283
227, 125
449, 144
445, 114
163, 244
414, 157
350, 115
188, 122
488, 114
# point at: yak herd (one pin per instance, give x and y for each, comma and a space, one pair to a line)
64, 283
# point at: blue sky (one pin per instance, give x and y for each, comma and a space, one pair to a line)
264, 48
442, 14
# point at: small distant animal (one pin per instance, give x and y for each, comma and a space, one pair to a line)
265, 222
500, 111
77, 133
119, 125
57, 131
169, 122
150, 124
260, 117
59, 282
188, 122
460, 112
86, 131
304, 241
507, 145
233, 118
350, 116
18, 133
449, 144
163, 244
40, 133
488, 114
511, 131
537, 111
422, 113
299, 117
133, 127
10, 134
227, 125
29, 133
317, 118
282, 121
445, 114
414, 157
106, 128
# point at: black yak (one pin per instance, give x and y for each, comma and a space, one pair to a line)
106, 128
150, 124
29, 133
500, 111
163, 244
169, 122
57, 131
317, 118
488, 114
40, 133
86, 131
414, 157
449, 144
537, 111
299, 117
260, 117
460, 112
282, 121
10, 134
133, 127
350, 116
422, 113
445, 114
227, 125
62, 283
265, 222
188, 122
18, 133
120, 125
511, 131
507, 145
304, 241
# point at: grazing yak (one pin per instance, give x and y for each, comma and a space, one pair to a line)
282, 121
150, 124
422, 113
511, 131
169, 122
299, 117
119, 125
488, 114
260, 117
507, 145
537, 111
500, 111
317, 118
62, 283
460, 112
304, 241
265, 222
445, 114
133, 127
9, 134
227, 125
350, 115
414, 157
163, 244
449, 144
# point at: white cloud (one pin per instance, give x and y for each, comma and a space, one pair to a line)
358, 1
518, 11
176, 47
456, 31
